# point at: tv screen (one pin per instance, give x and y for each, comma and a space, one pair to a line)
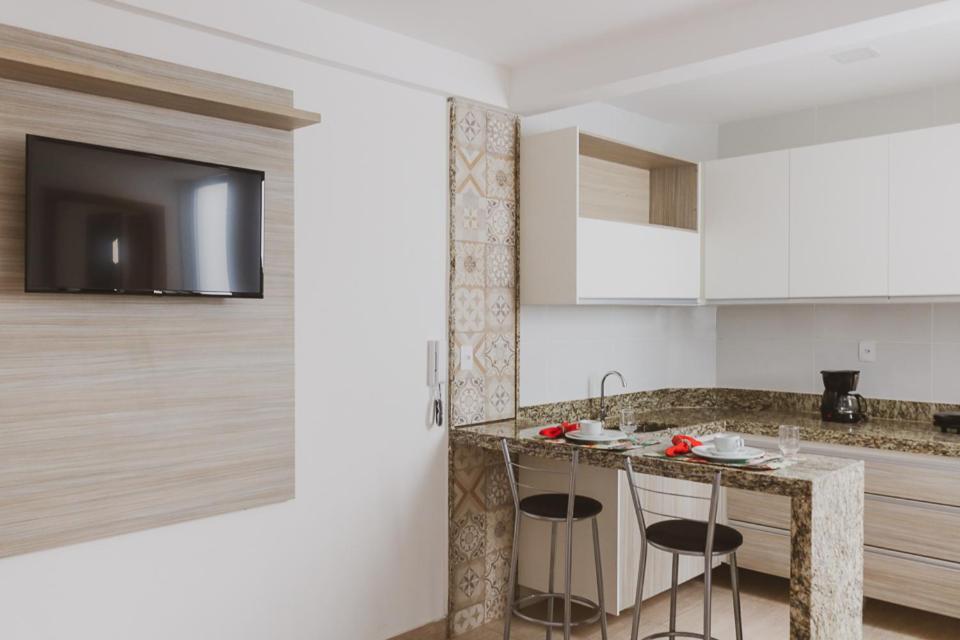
114, 221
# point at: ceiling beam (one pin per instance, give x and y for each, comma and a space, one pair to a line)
715, 42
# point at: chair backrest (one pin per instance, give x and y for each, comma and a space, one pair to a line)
635, 490
514, 468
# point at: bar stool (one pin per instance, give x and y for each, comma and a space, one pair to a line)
555, 508
681, 536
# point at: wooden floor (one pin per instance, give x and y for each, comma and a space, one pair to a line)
765, 616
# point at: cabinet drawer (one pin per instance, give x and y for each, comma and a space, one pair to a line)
929, 585
914, 527
927, 478
764, 550
889, 523
758, 508
902, 475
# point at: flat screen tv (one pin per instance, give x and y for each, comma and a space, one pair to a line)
105, 220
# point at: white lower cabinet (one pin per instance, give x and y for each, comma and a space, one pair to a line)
619, 535
910, 556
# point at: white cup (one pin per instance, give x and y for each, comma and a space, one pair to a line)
591, 427
727, 442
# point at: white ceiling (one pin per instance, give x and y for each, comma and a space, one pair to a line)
909, 60
515, 32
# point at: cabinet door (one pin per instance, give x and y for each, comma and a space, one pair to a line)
745, 226
623, 261
839, 219
925, 212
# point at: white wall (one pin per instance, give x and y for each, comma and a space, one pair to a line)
784, 348
564, 351
878, 115
361, 553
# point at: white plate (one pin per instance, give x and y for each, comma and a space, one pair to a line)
709, 451
607, 435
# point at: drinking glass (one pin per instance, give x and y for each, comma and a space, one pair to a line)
628, 420
789, 440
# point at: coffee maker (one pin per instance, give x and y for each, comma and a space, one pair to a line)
839, 403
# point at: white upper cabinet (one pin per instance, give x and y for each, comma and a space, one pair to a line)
603, 222
745, 222
925, 212
839, 219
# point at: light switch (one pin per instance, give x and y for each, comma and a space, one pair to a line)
466, 357
868, 351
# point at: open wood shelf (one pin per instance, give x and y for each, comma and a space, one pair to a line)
145, 88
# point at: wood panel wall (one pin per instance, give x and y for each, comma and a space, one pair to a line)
120, 413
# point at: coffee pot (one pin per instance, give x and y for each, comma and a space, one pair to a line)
839, 402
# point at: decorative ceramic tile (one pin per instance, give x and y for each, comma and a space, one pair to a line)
500, 266
497, 488
471, 176
470, 126
469, 491
469, 309
501, 133
471, 216
501, 178
501, 311
469, 264
467, 398
467, 458
463, 620
500, 527
499, 392
500, 221
496, 579
468, 537
469, 582
497, 354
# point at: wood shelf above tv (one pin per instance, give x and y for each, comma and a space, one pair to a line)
27, 56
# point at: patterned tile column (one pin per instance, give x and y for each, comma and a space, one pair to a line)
483, 315
483, 269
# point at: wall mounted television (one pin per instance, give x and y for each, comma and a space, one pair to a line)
104, 220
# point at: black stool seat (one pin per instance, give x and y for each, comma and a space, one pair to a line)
553, 506
690, 536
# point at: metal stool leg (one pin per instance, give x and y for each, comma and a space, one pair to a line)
639, 599
512, 586
674, 587
735, 587
707, 594
599, 565
553, 561
568, 579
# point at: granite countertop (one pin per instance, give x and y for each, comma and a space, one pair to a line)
877, 433
886, 434
793, 480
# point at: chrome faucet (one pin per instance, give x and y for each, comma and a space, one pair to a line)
603, 384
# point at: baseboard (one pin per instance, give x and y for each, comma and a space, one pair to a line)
432, 631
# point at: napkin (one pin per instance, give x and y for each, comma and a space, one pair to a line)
682, 445
559, 430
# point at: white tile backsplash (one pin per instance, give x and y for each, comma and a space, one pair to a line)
946, 372
946, 323
773, 365
565, 350
893, 322
784, 347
